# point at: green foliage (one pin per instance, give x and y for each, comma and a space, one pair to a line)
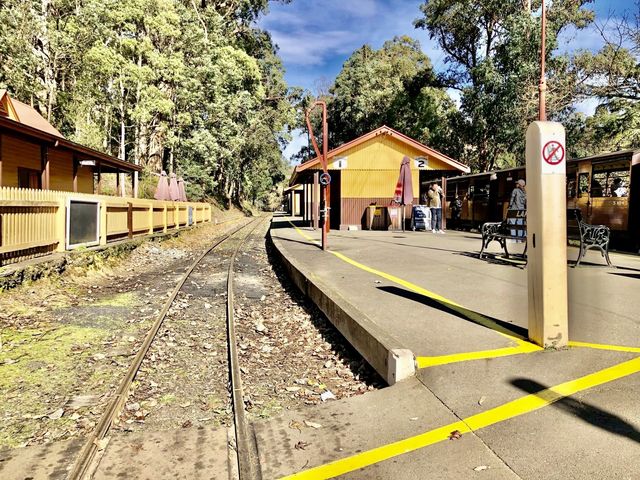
393, 86
186, 86
611, 75
492, 49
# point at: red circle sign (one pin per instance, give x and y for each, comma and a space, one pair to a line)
553, 152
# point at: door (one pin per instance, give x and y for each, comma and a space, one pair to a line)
28, 178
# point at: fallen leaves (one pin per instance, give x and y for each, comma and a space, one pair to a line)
455, 435
301, 445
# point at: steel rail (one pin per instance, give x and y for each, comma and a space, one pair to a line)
247, 452
82, 465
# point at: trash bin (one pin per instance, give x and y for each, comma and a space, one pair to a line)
420, 218
376, 218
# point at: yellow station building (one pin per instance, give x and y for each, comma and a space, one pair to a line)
364, 172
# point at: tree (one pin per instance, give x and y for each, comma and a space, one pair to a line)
612, 76
185, 85
492, 49
396, 86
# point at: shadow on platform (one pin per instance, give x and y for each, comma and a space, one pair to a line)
460, 312
582, 410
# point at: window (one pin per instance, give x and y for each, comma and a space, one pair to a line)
610, 182
28, 178
583, 184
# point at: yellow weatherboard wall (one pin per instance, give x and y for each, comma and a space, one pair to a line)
373, 167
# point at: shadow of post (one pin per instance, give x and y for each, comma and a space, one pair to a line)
582, 410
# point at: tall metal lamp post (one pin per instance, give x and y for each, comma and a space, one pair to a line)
542, 86
325, 178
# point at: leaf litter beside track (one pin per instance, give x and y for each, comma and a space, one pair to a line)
290, 354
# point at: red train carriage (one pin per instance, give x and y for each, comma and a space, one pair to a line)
601, 186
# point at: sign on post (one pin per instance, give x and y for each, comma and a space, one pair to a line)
553, 154
547, 234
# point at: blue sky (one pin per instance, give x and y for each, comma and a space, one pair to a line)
315, 37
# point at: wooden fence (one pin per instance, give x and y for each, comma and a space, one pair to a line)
34, 222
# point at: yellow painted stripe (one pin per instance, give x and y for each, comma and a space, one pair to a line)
515, 408
600, 346
304, 235
425, 362
467, 313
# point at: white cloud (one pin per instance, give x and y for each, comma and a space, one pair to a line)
455, 95
320, 36
298, 141
312, 48
588, 106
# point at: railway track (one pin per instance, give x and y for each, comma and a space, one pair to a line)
89, 458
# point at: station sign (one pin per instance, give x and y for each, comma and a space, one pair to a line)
421, 163
339, 163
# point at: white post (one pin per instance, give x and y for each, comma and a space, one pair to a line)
547, 234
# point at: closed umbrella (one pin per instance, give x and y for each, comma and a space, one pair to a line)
162, 190
183, 194
404, 188
174, 190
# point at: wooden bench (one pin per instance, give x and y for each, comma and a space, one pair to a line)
514, 227
590, 236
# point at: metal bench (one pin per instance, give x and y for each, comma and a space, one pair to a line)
514, 227
590, 236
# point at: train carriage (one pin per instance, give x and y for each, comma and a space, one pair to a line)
601, 186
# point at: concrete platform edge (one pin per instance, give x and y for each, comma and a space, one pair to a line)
383, 352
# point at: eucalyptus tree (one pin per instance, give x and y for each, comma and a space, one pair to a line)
394, 85
492, 51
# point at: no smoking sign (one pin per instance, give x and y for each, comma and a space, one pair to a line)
553, 152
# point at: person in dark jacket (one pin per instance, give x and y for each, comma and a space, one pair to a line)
518, 201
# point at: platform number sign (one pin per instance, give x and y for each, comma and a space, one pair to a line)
340, 163
421, 163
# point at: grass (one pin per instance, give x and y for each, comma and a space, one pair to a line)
46, 363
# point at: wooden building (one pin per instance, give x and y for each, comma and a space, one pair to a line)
34, 155
365, 171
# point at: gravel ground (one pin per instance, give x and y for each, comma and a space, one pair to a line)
288, 352
68, 341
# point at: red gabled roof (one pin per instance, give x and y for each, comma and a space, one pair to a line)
384, 130
30, 116
27, 115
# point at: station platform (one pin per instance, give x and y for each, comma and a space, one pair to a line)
472, 396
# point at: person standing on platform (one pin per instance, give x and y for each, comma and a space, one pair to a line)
518, 201
435, 204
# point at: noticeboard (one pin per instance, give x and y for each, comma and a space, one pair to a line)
83, 223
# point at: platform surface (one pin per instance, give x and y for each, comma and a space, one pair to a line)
521, 412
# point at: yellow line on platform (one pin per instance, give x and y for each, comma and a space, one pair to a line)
600, 346
523, 346
515, 408
426, 362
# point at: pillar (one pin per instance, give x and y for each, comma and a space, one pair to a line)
547, 235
